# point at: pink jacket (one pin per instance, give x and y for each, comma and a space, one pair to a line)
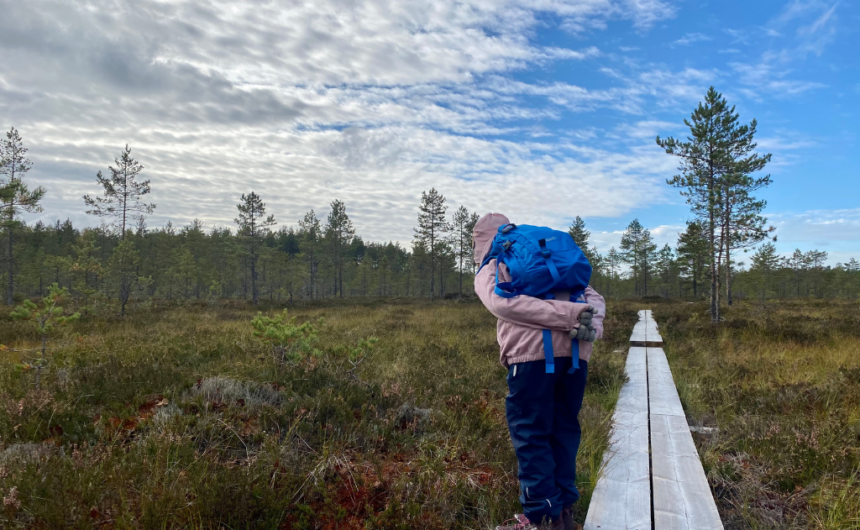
522, 319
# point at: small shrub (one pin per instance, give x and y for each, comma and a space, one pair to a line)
290, 342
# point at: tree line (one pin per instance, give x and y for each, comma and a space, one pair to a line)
124, 261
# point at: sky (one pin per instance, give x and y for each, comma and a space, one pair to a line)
539, 109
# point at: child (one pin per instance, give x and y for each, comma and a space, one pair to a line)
541, 408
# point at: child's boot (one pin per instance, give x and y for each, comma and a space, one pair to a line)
568, 517
521, 522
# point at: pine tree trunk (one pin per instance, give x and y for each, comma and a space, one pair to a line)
432, 267
715, 308
461, 277
10, 284
254, 278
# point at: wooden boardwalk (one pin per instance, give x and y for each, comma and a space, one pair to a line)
652, 477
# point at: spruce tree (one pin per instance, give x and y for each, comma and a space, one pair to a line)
253, 227
15, 197
432, 227
578, 232
123, 195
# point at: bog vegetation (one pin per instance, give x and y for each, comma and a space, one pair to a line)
378, 414
390, 414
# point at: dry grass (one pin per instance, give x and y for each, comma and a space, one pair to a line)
781, 383
180, 418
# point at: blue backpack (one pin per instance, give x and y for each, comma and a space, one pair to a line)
540, 260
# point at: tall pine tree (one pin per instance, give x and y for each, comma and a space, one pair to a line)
15, 197
253, 227
431, 230
715, 166
123, 195
339, 232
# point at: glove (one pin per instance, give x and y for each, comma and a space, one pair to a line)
586, 316
586, 333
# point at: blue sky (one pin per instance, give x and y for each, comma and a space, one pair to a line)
542, 109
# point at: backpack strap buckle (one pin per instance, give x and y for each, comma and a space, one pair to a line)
545, 252
507, 245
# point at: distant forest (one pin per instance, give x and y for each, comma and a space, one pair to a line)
125, 262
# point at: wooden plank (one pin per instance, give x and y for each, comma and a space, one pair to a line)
682, 496
622, 496
645, 331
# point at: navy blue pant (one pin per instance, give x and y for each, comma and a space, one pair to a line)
542, 411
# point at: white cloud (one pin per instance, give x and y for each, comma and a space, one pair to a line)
818, 226
766, 79
367, 101
691, 38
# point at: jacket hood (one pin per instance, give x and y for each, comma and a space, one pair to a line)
485, 230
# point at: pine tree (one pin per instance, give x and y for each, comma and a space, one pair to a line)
253, 227
712, 162
613, 263
799, 265
765, 262
340, 232
693, 254
122, 271
665, 267
87, 266
432, 226
123, 195
462, 239
15, 197
470, 229
310, 232
743, 224
638, 250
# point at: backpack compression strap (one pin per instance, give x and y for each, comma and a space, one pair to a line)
574, 344
549, 352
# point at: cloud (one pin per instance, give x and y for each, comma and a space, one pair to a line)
370, 102
834, 231
815, 23
765, 78
691, 38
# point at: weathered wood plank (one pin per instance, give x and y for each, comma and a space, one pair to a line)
622, 496
645, 332
682, 496
651, 470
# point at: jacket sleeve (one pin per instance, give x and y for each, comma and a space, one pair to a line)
594, 299
526, 310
